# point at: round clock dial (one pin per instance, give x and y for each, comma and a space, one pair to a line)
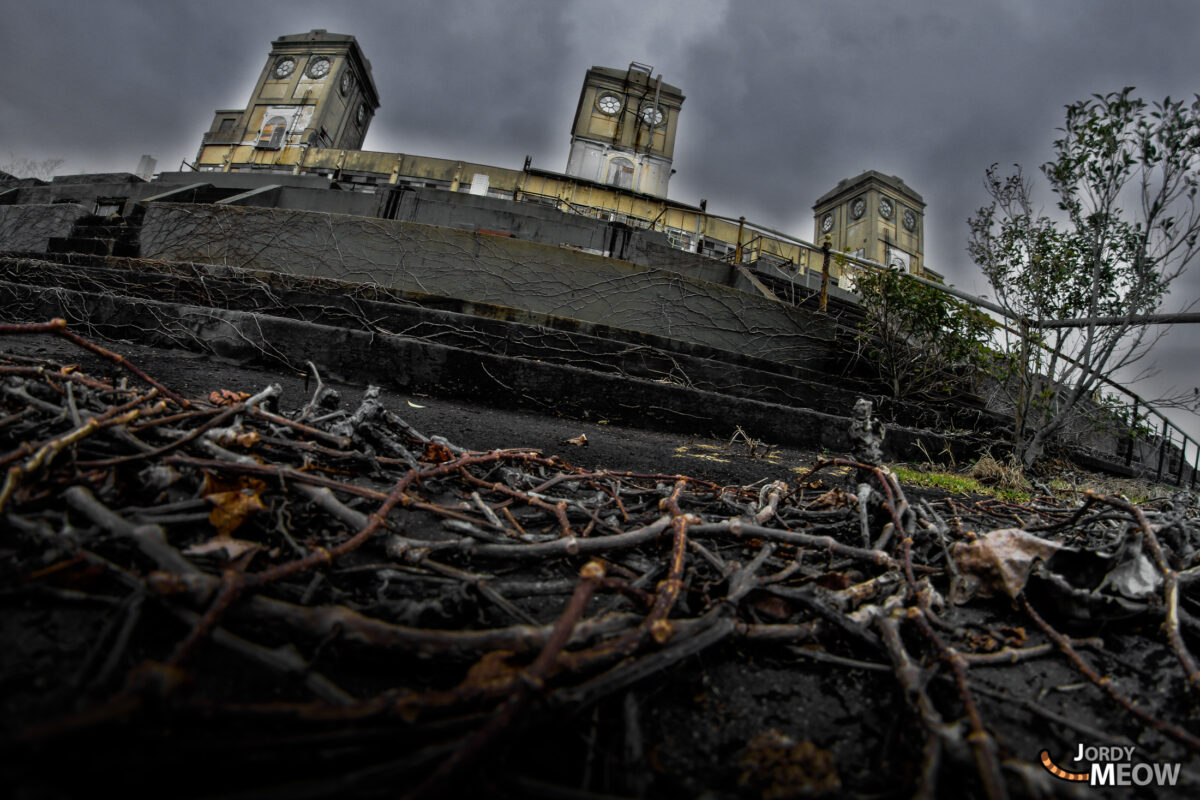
318, 67
609, 104
284, 67
361, 114
827, 223
910, 220
885, 208
858, 208
346, 83
651, 115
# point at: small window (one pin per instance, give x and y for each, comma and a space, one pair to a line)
620, 173
273, 132
226, 125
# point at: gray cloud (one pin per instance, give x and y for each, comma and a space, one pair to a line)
783, 98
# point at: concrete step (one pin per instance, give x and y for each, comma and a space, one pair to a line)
620, 353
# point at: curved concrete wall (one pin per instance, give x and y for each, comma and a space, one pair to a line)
489, 269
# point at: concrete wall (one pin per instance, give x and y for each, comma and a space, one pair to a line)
29, 228
536, 223
488, 269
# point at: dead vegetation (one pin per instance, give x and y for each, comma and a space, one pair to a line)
282, 597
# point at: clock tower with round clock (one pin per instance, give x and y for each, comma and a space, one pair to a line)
315, 90
624, 131
876, 217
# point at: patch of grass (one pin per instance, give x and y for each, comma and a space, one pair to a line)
959, 484
1064, 476
1001, 474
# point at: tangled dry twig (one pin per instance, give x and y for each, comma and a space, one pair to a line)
407, 607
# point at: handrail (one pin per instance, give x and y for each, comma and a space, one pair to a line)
1166, 437
763, 232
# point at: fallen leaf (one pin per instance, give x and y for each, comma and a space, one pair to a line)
230, 509
774, 608
981, 642
437, 453
997, 563
1015, 636
493, 671
414, 405
579, 441
1136, 578
232, 501
833, 499
225, 397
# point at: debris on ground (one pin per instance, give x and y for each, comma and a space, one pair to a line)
270, 596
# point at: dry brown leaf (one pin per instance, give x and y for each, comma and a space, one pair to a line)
833, 499
493, 671
225, 397
1015, 636
232, 501
997, 563
579, 441
437, 453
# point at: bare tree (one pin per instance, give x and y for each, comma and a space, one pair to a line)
29, 168
1125, 176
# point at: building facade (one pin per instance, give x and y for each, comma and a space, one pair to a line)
314, 99
876, 217
624, 129
315, 91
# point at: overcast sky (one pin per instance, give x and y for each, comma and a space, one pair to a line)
783, 98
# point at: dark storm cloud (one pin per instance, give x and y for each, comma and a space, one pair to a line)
786, 99
783, 98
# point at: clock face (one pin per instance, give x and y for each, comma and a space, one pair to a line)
361, 114
858, 208
651, 115
346, 83
318, 67
827, 223
609, 104
885, 208
910, 220
284, 67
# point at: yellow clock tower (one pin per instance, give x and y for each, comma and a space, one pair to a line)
315, 90
624, 131
876, 217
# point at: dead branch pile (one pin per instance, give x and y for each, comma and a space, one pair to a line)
323, 600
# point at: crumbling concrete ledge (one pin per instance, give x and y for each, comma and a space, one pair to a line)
416, 366
29, 228
488, 269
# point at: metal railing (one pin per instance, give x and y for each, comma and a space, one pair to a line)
1165, 441
760, 234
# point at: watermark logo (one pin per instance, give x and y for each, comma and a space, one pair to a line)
1111, 766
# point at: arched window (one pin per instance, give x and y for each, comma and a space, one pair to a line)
620, 173
271, 136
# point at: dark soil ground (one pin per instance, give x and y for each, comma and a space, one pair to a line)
756, 713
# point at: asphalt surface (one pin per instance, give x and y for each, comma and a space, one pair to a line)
472, 425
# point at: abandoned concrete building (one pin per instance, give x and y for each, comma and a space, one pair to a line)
478, 276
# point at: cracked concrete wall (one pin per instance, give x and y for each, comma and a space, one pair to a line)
490, 269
